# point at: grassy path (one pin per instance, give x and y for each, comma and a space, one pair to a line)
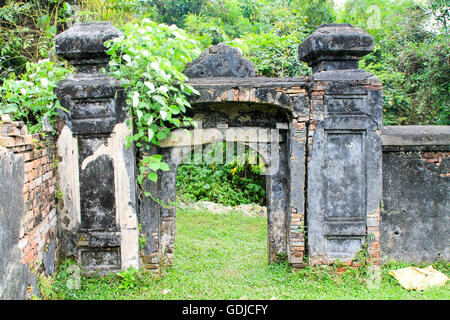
220, 256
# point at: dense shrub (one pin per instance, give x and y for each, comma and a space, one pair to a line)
207, 30
416, 82
269, 31
411, 57
30, 96
235, 183
27, 32
149, 61
118, 12
274, 55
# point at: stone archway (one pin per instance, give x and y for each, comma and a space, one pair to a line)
235, 105
230, 122
330, 180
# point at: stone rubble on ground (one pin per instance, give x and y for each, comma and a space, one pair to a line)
246, 209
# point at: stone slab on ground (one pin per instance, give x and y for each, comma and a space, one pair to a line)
247, 209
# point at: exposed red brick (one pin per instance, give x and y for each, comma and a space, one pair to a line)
38, 192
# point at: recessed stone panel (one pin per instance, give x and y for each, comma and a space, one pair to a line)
93, 108
344, 104
98, 201
344, 176
343, 247
100, 259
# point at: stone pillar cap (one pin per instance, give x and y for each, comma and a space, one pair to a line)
338, 42
85, 41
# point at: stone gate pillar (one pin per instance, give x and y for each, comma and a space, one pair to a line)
98, 222
343, 187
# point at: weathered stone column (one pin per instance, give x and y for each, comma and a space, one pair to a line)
344, 146
98, 221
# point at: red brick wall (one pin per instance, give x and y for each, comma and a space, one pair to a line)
38, 227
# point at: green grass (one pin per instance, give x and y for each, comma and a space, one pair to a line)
224, 256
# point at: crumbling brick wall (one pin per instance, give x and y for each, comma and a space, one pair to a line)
36, 206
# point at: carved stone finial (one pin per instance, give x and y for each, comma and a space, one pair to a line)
335, 46
83, 45
220, 61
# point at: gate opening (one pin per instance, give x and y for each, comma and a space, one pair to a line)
221, 215
207, 175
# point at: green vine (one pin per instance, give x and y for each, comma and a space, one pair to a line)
30, 96
149, 61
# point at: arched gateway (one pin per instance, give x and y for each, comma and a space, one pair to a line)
319, 136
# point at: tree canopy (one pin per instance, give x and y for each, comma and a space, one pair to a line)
411, 36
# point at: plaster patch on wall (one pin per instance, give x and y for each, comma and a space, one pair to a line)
125, 195
102, 150
129, 248
68, 182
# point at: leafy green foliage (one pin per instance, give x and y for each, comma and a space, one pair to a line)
207, 30
287, 16
411, 60
281, 26
118, 12
27, 32
29, 71
268, 32
149, 62
228, 13
174, 12
239, 182
407, 100
274, 55
30, 96
128, 278
441, 11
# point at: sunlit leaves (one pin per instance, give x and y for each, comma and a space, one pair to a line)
147, 66
135, 99
31, 96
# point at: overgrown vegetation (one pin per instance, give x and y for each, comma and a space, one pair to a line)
268, 32
224, 256
411, 37
411, 56
29, 70
238, 182
411, 59
30, 96
28, 29
149, 62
